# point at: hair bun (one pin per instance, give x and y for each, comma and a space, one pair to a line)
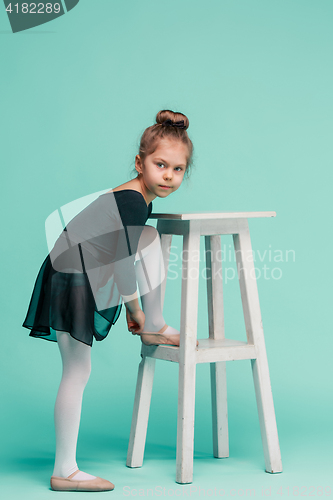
166, 114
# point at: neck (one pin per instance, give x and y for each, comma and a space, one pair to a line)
140, 185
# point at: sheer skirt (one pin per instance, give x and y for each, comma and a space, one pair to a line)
83, 301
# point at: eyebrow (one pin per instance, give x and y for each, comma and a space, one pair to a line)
168, 164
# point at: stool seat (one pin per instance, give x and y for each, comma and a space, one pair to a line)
216, 349
211, 215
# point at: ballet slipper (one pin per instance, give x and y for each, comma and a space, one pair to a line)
159, 336
70, 484
162, 330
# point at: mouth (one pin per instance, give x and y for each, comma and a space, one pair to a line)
164, 187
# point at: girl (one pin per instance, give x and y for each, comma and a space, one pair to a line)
90, 271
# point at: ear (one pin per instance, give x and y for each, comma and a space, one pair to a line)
138, 164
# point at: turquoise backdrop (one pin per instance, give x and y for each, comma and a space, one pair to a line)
255, 79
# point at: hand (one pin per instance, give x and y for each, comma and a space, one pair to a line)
135, 321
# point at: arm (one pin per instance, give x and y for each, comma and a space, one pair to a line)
134, 213
124, 268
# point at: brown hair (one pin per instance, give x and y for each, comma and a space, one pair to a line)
153, 134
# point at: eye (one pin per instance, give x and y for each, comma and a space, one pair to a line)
180, 169
160, 164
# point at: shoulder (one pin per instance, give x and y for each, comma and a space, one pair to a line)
132, 207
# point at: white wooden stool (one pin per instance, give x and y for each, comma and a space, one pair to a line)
216, 349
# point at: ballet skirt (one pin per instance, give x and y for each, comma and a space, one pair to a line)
80, 284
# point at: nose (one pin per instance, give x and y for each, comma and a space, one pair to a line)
167, 173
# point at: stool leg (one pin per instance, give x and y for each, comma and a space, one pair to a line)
255, 335
218, 380
187, 351
216, 331
166, 240
144, 386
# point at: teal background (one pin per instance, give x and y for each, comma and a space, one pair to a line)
255, 79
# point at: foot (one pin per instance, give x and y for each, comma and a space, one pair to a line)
81, 476
161, 337
74, 482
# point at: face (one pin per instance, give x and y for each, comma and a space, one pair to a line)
164, 167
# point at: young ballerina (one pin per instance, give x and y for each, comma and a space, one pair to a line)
90, 272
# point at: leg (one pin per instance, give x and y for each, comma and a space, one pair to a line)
255, 335
216, 331
150, 274
76, 371
144, 387
149, 271
187, 360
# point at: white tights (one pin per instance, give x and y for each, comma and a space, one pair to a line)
76, 364
76, 358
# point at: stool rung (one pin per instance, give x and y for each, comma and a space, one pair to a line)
208, 351
166, 352
214, 350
